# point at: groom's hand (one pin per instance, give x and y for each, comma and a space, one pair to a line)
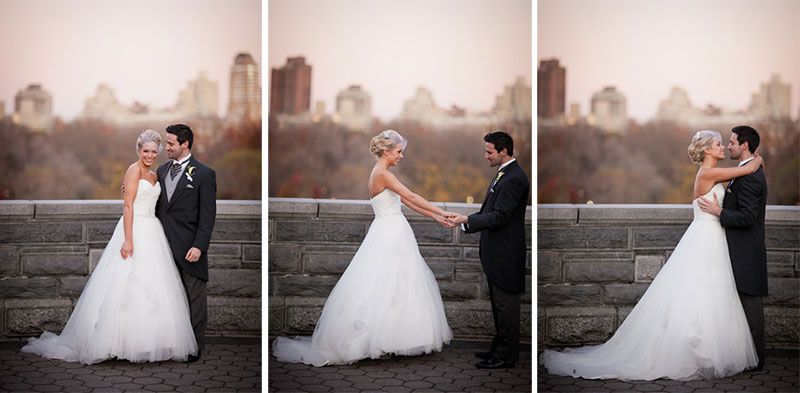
708, 206
193, 255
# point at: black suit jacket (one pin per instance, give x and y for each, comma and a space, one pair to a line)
188, 217
501, 222
743, 212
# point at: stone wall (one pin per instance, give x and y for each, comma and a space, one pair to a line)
312, 241
48, 249
596, 261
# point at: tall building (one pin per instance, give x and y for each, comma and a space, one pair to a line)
200, 98
354, 108
33, 107
2, 109
773, 100
290, 88
515, 102
244, 103
104, 106
421, 107
609, 110
551, 90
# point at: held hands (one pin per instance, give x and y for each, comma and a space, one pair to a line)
708, 206
193, 255
451, 220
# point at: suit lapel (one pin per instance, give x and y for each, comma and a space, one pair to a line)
182, 182
506, 171
161, 172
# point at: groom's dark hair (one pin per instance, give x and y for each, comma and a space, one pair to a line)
182, 132
747, 134
501, 141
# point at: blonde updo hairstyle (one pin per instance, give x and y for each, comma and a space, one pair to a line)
700, 141
386, 140
148, 136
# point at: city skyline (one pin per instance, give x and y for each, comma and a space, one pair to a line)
146, 50
465, 52
719, 52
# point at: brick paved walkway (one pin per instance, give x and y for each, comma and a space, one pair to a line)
452, 370
227, 365
780, 374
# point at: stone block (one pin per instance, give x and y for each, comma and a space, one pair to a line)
783, 291
236, 231
79, 208
283, 258
228, 209
594, 238
472, 253
302, 315
634, 214
561, 214
647, 267
569, 295
464, 276
541, 317
252, 252
455, 290
225, 250
94, 258
470, 239
222, 262
580, 272
72, 286
782, 237
320, 231
276, 315
100, 231
597, 256
623, 294
16, 210
326, 263
235, 315
9, 262
622, 313
442, 269
470, 319
41, 232
310, 286
432, 233
54, 250
292, 207
579, 325
548, 267
26, 287
657, 237
781, 327
440, 252
234, 282
345, 209
39, 265
29, 317
526, 296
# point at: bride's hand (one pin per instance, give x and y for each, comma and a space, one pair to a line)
127, 249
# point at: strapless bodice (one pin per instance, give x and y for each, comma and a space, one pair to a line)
700, 215
146, 197
386, 203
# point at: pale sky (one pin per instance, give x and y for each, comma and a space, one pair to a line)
719, 51
145, 50
465, 51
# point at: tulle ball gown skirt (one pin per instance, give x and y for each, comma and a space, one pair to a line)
387, 301
689, 324
134, 309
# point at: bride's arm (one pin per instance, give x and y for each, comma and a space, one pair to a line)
716, 175
438, 218
131, 183
412, 200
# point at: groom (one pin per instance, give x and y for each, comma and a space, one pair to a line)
501, 222
742, 215
187, 209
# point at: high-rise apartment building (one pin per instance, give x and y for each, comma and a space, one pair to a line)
773, 100
551, 94
515, 102
609, 110
290, 88
33, 107
244, 102
354, 108
200, 97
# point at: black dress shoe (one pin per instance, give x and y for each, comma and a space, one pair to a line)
194, 358
484, 355
495, 363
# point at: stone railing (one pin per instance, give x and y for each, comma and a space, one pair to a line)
312, 241
596, 261
48, 249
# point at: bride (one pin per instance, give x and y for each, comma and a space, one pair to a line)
134, 306
387, 301
689, 324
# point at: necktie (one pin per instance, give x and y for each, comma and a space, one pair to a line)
174, 170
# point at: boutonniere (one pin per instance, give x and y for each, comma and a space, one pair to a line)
189, 173
500, 174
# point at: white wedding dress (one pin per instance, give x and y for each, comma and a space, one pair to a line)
387, 300
134, 309
689, 324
